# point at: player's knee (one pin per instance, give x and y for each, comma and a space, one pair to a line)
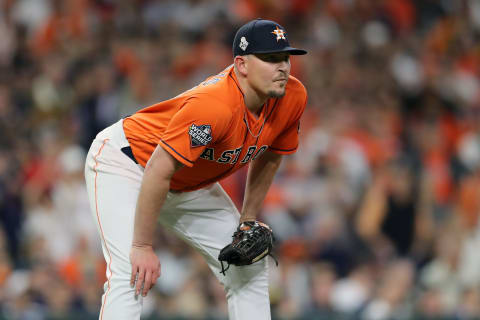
238, 277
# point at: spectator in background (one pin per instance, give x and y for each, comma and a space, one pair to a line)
322, 284
392, 298
395, 216
69, 196
352, 292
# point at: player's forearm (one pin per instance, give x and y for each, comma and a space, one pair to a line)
150, 201
153, 191
259, 178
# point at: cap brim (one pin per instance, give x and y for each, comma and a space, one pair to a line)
292, 51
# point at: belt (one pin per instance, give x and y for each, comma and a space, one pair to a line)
128, 152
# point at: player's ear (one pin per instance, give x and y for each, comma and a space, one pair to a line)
241, 64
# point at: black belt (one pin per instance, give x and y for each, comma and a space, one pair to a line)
128, 152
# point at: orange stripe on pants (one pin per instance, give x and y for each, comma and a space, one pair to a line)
101, 229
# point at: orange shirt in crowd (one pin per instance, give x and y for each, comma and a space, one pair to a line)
210, 130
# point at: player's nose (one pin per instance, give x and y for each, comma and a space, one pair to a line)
284, 66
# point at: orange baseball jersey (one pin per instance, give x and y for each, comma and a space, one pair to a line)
210, 130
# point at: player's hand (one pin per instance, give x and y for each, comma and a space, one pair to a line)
145, 268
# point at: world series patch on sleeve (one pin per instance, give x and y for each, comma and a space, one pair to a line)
200, 135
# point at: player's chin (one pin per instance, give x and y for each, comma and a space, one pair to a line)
276, 93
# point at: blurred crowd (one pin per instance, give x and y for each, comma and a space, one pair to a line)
376, 215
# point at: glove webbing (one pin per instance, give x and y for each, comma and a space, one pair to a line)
228, 264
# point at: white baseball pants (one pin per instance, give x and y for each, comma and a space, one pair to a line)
205, 219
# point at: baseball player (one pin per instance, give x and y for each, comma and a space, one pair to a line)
163, 164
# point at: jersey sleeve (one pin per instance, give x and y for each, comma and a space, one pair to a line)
287, 141
199, 123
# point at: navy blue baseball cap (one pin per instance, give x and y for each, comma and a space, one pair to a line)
262, 36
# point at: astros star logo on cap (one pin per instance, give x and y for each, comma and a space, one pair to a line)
279, 33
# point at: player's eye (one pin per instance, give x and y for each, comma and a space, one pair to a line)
274, 58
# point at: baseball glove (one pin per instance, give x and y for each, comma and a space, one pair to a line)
252, 241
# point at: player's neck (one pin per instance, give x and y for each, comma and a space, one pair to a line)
254, 103
253, 100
